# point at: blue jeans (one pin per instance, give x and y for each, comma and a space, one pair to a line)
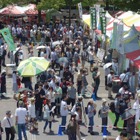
22, 128
46, 124
63, 122
91, 121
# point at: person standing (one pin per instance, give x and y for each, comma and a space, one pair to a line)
3, 82
64, 112
39, 97
72, 128
79, 82
32, 115
15, 85
91, 58
104, 114
71, 94
91, 107
83, 57
117, 110
8, 123
84, 83
96, 78
21, 119
47, 116
109, 83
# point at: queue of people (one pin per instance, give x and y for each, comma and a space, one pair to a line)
60, 90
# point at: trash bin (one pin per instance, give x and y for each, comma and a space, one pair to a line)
116, 85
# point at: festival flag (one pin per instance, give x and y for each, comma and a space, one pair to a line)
80, 10
103, 22
8, 38
93, 22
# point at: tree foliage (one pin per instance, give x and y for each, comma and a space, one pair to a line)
132, 5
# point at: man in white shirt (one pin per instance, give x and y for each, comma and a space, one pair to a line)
21, 117
64, 112
7, 124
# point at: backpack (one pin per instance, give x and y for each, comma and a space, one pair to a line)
112, 107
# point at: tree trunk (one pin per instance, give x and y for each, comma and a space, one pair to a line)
39, 16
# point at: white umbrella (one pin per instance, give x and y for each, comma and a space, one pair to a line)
57, 43
107, 65
41, 47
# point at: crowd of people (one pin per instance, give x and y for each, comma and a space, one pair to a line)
60, 90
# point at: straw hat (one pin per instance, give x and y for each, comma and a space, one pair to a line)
104, 100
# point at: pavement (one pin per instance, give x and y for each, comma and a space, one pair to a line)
10, 104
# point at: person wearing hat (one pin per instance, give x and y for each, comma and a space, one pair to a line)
91, 108
21, 118
7, 124
104, 114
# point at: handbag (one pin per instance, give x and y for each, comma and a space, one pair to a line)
13, 131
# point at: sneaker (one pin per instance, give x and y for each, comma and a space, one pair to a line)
92, 133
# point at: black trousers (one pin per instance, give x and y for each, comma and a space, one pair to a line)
57, 101
104, 122
8, 133
71, 101
117, 118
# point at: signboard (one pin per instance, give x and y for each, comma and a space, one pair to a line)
93, 22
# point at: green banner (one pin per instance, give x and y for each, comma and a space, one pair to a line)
8, 38
103, 22
93, 22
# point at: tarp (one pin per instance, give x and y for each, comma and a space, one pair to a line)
137, 63
133, 55
131, 40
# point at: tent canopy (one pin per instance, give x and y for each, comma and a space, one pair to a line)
133, 55
131, 40
11, 10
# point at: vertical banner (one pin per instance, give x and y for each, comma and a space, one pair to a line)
8, 38
97, 7
119, 40
80, 10
93, 22
114, 36
103, 22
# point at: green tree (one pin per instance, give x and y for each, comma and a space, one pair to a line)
126, 5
